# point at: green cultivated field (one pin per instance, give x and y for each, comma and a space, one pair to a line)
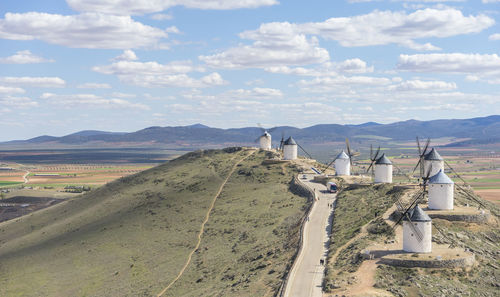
133, 236
8, 183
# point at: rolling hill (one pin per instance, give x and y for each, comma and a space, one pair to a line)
132, 237
475, 130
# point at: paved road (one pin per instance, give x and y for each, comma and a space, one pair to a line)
306, 275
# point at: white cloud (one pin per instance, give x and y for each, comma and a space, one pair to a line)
17, 102
350, 66
24, 57
244, 96
434, 107
479, 64
386, 27
127, 55
172, 29
90, 101
123, 95
88, 30
11, 90
275, 44
93, 86
146, 68
495, 36
491, 1
41, 82
161, 17
139, 7
344, 81
419, 85
154, 74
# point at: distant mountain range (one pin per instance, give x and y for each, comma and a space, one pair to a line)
483, 130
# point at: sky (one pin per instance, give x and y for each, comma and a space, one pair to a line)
124, 65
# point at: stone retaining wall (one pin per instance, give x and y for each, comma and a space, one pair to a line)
452, 263
474, 218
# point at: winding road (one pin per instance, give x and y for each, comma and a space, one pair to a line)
306, 276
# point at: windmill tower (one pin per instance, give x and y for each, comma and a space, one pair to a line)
342, 164
435, 160
265, 141
289, 149
383, 170
441, 191
417, 231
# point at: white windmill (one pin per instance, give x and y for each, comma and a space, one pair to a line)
343, 161
383, 170
290, 149
417, 231
381, 167
434, 160
342, 164
265, 139
441, 189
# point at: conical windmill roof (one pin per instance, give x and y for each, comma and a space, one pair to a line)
343, 156
433, 156
383, 160
416, 214
290, 141
440, 178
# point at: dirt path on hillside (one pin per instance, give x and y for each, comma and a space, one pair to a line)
202, 229
366, 272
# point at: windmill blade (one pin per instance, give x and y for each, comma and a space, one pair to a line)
329, 164
272, 129
418, 163
426, 146
453, 170
348, 150
261, 127
419, 149
371, 152
401, 171
303, 150
282, 140
416, 197
371, 165
471, 196
376, 153
399, 205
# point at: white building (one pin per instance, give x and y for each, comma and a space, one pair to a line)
265, 141
417, 239
441, 191
342, 164
434, 159
290, 149
383, 170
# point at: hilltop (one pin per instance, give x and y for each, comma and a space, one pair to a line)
133, 236
484, 130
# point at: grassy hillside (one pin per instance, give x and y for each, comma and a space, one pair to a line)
133, 236
363, 206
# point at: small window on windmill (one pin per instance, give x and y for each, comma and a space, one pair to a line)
411, 234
